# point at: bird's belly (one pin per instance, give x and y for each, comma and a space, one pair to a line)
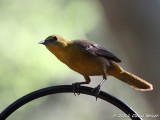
89, 66
89, 70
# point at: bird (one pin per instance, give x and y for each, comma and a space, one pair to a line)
90, 59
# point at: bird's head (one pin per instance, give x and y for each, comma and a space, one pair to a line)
56, 44
54, 40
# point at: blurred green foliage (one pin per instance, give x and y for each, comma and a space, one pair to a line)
26, 66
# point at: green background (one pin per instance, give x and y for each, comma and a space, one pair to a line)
26, 66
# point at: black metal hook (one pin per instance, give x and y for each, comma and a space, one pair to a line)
68, 89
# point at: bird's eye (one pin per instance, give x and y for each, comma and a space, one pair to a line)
54, 38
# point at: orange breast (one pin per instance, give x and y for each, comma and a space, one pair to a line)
79, 61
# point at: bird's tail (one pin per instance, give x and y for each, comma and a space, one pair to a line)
132, 80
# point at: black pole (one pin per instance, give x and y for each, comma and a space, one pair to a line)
65, 89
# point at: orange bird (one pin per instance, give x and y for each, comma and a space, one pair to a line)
91, 59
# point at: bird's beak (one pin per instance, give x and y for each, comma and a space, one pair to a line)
42, 42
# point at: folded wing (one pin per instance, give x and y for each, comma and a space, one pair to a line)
96, 50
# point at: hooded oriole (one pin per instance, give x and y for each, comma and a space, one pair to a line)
90, 59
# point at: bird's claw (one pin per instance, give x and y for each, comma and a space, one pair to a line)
96, 91
75, 88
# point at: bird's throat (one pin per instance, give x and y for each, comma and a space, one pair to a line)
57, 51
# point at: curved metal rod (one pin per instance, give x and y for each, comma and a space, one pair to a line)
65, 89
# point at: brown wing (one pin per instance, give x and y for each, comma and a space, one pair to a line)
96, 50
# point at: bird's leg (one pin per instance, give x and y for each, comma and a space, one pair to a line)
97, 89
77, 84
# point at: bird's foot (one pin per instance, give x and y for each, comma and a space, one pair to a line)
96, 91
75, 88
